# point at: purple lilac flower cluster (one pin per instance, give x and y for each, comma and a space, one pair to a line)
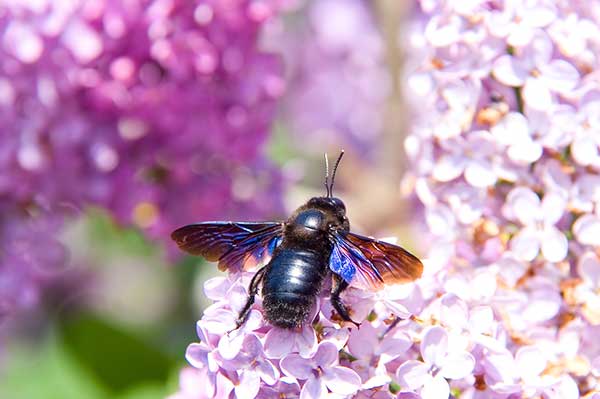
156, 110
505, 147
323, 358
337, 77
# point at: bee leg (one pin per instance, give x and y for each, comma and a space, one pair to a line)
392, 326
338, 286
252, 291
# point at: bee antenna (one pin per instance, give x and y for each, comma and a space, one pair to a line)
330, 189
327, 187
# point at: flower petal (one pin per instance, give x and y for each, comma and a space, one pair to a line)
553, 207
449, 167
536, 94
587, 230
306, 341
567, 389
588, 267
453, 311
526, 244
327, 355
524, 205
457, 365
196, 355
525, 151
480, 174
216, 288
530, 362
393, 345
434, 345
230, 345
278, 343
295, 365
509, 71
543, 304
218, 322
501, 368
412, 374
267, 372
584, 150
363, 341
520, 35
248, 386
512, 128
440, 220
341, 380
481, 319
559, 75
314, 388
554, 244
435, 388
224, 386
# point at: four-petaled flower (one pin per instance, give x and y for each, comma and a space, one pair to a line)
321, 372
443, 358
539, 219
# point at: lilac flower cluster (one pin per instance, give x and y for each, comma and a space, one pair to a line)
337, 78
505, 153
322, 358
505, 147
156, 110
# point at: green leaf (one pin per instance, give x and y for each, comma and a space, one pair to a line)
120, 360
148, 391
46, 371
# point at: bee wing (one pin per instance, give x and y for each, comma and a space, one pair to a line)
369, 263
235, 245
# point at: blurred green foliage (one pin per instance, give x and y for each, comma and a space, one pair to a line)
90, 360
97, 352
117, 358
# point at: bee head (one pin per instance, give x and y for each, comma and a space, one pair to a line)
328, 204
324, 212
321, 214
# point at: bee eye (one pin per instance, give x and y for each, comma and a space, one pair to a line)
310, 218
336, 202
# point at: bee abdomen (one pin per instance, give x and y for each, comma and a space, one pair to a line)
291, 285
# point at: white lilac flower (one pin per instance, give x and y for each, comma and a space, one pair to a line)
373, 349
321, 373
443, 357
537, 95
472, 156
533, 69
538, 219
513, 132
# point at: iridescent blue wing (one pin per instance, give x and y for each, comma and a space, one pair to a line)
235, 245
370, 264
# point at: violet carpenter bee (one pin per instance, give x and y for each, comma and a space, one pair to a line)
298, 254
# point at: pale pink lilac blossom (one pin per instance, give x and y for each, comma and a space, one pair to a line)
524, 264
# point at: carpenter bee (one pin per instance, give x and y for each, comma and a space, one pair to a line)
298, 254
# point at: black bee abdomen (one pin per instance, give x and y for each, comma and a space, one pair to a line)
291, 284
